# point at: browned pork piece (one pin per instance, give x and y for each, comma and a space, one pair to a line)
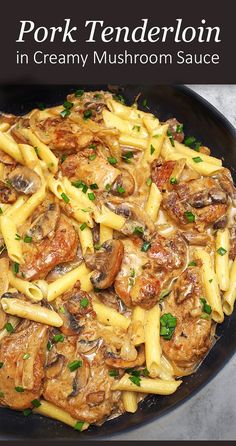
192, 336
80, 384
106, 263
42, 257
176, 129
7, 194
168, 253
21, 379
203, 201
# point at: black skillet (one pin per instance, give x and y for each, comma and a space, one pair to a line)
204, 122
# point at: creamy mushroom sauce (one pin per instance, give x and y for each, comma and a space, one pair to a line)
146, 263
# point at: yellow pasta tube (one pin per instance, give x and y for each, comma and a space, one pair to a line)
68, 280
28, 288
210, 283
44, 152
152, 341
222, 258
2, 169
230, 294
9, 146
13, 208
152, 123
33, 312
153, 202
106, 233
134, 128
109, 218
22, 213
56, 186
190, 153
14, 247
109, 316
78, 197
131, 141
4, 126
30, 159
154, 146
147, 385
137, 325
129, 401
86, 239
14, 321
126, 112
51, 411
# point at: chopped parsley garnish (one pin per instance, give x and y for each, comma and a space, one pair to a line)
64, 113
92, 146
138, 230
87, 114
119, 98
205, 316
91, 196
146, 246
120, 189
65, 197
49, 346
191, 141
168, 324
135, 380
97, 246
36, 150
62, 310
108, 187
192, 263
148, 181
221, 251
132, 272
171, 138
189, 216
113, 373
27, 239
164, 294
79, 426
127, 156
26, 356
93, 186
84, 302
1, 365
17, 237
63, 158
36, 403
27, 412
92, 157
205, 306
152, 149
210, 280
137, 128
15, 268
41, 106
79, 184
144, 103
97, 96
1, 211
9, 327
2, 394
79, 93
68, 105
58, 338
83, 226
112, 160
74, 365
179, 128
197, 159
173, 180
19, 389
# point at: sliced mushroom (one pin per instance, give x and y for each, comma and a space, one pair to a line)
124, 185
54, 369
71, 325
7, 194
80, 380
221, 223
106, 263
86, 346
25, 180
45, 224
113, 360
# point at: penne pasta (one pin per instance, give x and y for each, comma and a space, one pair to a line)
68, 280
43, 150
109, 218
155, 143
130, 401
147, 385
210, 283
50, 410
9, 146
134, 128
153, 203
28, 288
21, 214
13, 245
109, 316
86, 239
230, 295
106, 233
152, 340
33, 312
222, 258
190, 153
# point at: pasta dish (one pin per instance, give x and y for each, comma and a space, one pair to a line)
118, 245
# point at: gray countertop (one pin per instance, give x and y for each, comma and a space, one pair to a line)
211, 413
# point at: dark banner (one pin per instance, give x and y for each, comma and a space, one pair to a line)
117, 42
